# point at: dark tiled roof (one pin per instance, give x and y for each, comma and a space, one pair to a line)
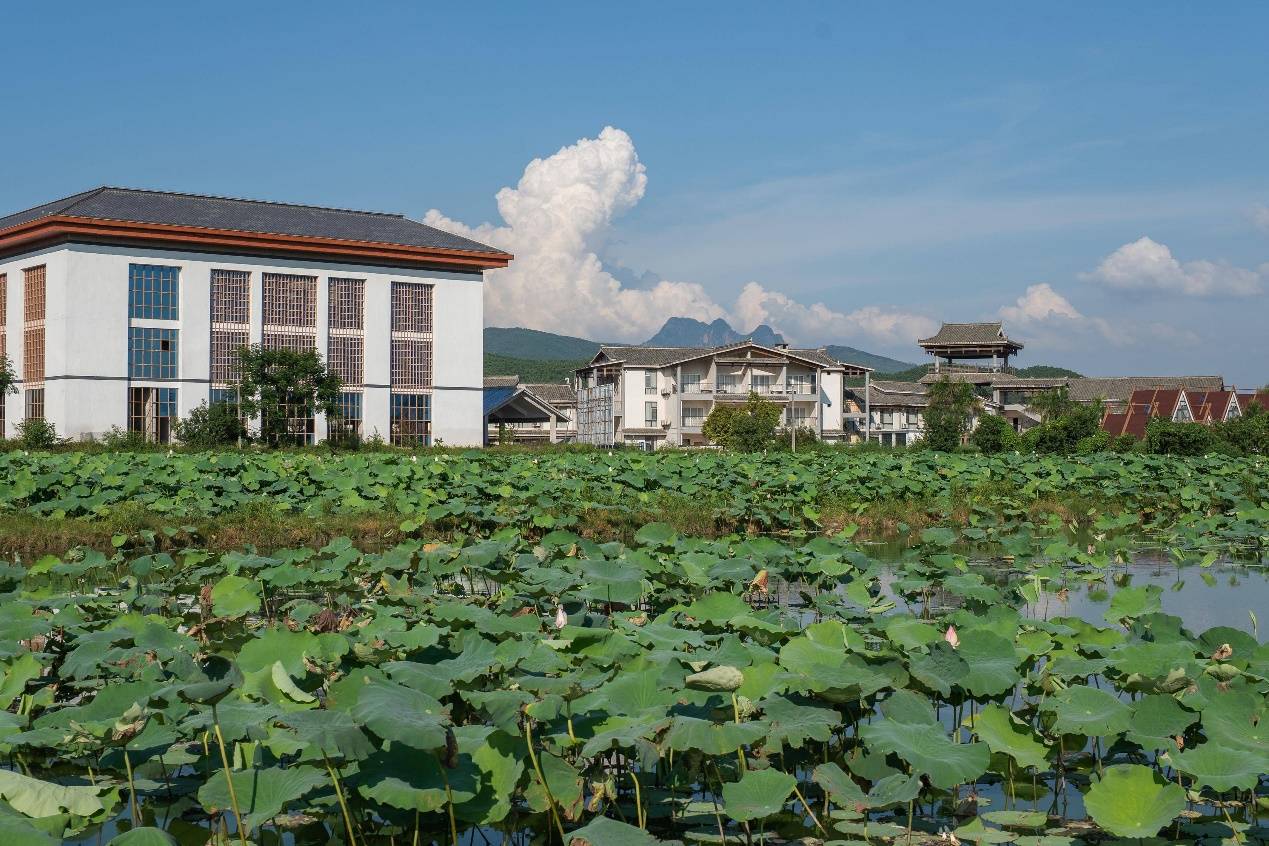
1119, 389
205, 212
978, 377
1029, 382
980, 334
639, 356
906, 394
501, 381
556, 393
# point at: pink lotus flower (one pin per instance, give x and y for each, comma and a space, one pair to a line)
951, 637
561, 619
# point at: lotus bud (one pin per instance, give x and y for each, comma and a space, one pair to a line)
759, 583
561, 618
951, 637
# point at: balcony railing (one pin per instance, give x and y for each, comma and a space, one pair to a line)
734, 389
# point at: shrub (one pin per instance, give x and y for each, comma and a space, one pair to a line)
209, 427
118, 439
37, 433
744, 428
1248, 434
993, 434
1163, 437
1062, 434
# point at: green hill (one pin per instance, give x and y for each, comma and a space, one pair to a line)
881, 363
532, 370
531, 344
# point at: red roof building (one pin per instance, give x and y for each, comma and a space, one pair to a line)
1177, 405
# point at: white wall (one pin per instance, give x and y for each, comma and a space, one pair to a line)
87, 334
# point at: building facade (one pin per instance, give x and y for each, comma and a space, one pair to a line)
125, 308
660, 396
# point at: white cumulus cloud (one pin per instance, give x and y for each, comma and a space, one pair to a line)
1146, 265
556, 220
1039, 303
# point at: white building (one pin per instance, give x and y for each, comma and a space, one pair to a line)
125, 308
658, 396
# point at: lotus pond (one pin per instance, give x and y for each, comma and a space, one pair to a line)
524, 678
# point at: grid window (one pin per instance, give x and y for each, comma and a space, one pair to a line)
347, 304
348, 423
290, 300
345, 356
152, 412
225, 365
154, 291
223, 396
293, 341
35, 404
33, 313
650, 414
411, 307
411, 419
231, 297
152, 352
411, 363
299, 425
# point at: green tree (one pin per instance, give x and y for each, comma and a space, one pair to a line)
8, 385
993, 434
1062, 434
282, 385
948, 413
749, 427
1052, 404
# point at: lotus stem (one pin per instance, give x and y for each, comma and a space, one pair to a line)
546, 788
233, 794
638, 799
740, 750
343, 803
449, 806
809, 812
132, 790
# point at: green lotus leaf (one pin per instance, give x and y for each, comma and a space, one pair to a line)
143, 837
839, 785
20, 830
929, 750
1236, 720
14, 675
993, 663
719, 679
996, 726
1017, 819
402, 777
656, 535
604, 831
941, 669
1157, 719
36, 798
262, 793
909, 633
710, 737
794, 724
1131, 800
498, 759
329, 734
1221, 768
235, 596
396, 712
1088, 711
975, 832
1129, 603
565, 783
758, 794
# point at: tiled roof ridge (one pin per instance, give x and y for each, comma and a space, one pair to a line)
87, 195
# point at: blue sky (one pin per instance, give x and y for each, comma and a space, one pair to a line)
894, 166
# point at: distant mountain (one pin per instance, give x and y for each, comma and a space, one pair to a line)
532, 344
689, 332
879, 363
511, 350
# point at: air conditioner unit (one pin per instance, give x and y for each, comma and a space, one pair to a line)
666, 391
665, 424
